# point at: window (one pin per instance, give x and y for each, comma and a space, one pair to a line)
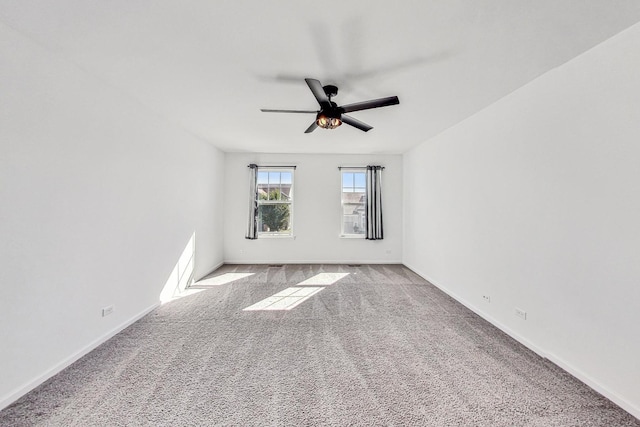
354, 196
275, 202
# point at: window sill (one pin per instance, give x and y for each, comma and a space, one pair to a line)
276, 236
352, 236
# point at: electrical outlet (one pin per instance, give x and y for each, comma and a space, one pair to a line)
107, 311
388, 251
521, 313
487, 298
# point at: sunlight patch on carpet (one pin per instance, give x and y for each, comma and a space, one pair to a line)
324, 279
220, 280
290, 298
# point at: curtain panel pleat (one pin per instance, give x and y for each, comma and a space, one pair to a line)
252, 223
374, 203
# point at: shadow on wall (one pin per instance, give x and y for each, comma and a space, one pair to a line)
181, 281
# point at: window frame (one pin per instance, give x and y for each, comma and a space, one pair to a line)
343, 170
262, 202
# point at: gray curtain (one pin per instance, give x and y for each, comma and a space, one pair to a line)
252, 223
374, 203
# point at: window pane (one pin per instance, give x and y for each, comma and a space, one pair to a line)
274, 218
347, 181
286, 181
353, 203
274, 178
263, 177
285, 192
353, 224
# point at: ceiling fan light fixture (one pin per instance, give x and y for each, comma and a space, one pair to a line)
331, 115
328, 122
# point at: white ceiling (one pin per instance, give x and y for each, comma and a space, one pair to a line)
210, 65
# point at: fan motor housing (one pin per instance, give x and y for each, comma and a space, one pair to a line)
330, 90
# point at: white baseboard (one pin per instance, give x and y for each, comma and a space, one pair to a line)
621, 402
482, 314
21, 391
612, 396
314, 261
215, 267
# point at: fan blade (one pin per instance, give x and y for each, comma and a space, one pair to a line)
374, 103
265, 110
355, 123
318, 92
311, 128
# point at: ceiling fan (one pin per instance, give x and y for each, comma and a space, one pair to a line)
330, 115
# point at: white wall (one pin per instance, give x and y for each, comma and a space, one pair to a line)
317, 211
98, 199
535, 202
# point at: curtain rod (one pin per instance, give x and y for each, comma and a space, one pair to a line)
354, 167
252, 165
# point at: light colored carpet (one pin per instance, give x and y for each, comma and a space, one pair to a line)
379, 347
